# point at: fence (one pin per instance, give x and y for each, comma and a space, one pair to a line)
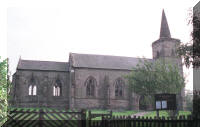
61, 118
45, 118
95, 115
123, 121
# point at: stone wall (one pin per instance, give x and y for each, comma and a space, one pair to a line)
45, 81
98, 101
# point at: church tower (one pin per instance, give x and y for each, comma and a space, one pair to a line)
165, 49
165, 46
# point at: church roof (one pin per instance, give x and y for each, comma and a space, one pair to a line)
104, 61
42, 65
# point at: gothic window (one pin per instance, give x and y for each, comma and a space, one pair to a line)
32, 89
119, 87
90, 86
57, 88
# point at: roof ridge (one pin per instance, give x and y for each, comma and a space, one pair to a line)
43, 65
43, 61
109, 55
105, 61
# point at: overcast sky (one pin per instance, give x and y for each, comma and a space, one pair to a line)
48, 30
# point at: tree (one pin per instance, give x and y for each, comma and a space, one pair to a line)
3, 91
190, 51
148, 78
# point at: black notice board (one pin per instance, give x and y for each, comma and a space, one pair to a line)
165, 101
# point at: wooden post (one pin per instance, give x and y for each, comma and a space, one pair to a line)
83, 118
41, 117
89, 115
189, 118
155, 122
150, 122
169, 122
173, 121
157, 113
134, 123
110, 114
103, 122
139, 121
163, 122
89, 118
143, 121
129, 121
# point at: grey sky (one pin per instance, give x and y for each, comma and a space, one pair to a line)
49, 30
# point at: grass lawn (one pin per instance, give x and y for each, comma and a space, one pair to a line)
115, 113
165, 114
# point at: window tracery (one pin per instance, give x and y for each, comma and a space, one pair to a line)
57, 88
90, 86
32, 89
119, 87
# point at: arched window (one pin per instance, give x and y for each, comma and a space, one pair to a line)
90, 86
32, 89
119, 87
57, 88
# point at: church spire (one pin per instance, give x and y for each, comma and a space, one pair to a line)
164, 29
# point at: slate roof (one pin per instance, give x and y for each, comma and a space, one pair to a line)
104, 61
43, 65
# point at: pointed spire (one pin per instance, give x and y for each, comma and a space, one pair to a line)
19, 62
164, 29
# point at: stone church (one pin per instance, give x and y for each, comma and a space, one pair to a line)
87, 81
